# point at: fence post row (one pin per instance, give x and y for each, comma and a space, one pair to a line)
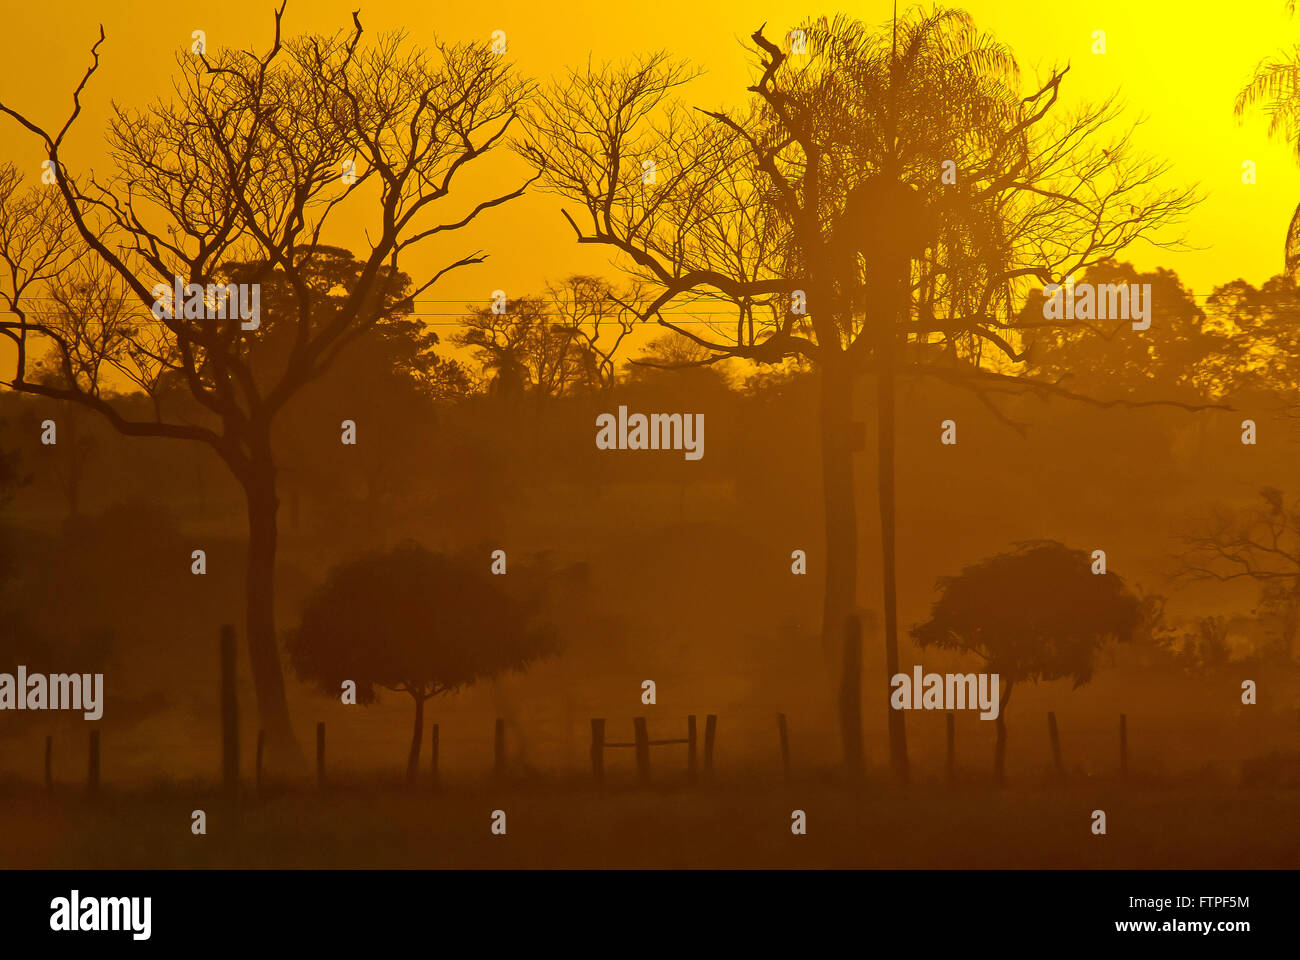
642, 743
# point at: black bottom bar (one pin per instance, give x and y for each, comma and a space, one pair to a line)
966, 909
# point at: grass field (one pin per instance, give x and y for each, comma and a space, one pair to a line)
734, 824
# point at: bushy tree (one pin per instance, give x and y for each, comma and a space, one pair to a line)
417, 622
1037, 612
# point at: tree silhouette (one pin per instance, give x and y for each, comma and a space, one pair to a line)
413, 621
565, 340
240, 174
1108, 358
1275, 87
879, 207
599, 319
1259, 340
393, 378
1034, 613
1260, 544
523, 350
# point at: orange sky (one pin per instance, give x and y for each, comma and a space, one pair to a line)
1179, 64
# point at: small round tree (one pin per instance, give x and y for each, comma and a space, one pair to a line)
414, 621
1034, 613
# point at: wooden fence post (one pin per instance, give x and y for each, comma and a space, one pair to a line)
642, 750
952, 746
598, 750
710, 733
785, 746
1123, 746
433, 749
320, 753
692, 774
49, 762
261, 745
92, 765
499, 748
1054, 735
229, 713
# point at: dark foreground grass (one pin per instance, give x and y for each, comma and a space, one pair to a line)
725, 825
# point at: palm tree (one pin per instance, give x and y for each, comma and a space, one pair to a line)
818, 211
894, 128
1276, 88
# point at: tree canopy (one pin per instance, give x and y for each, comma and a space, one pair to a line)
414, 621
1037, 612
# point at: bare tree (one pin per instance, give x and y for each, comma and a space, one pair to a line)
564, 340
598, 319
878, 206
522, 348
246, 165
1260, 544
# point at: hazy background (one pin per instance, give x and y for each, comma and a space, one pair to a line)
678, 571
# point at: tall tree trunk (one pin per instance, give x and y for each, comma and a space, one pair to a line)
841, 519
1000, 750
417, 738
263, 651
896, 312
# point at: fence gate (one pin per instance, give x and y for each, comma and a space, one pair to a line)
642, 743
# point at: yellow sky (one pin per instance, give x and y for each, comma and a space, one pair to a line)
1179, 64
